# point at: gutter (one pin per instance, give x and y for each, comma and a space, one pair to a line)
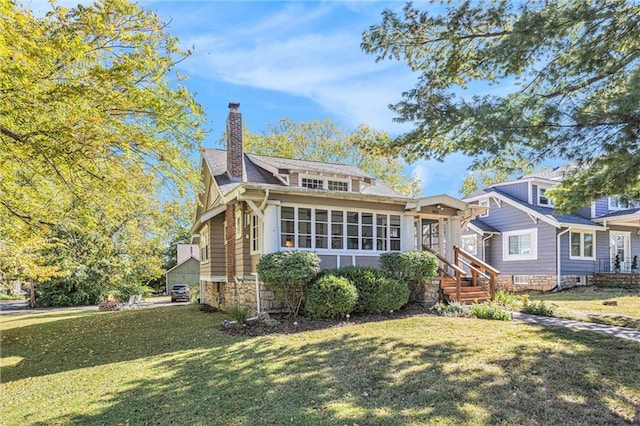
558, 282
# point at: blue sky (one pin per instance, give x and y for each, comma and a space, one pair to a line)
297, 59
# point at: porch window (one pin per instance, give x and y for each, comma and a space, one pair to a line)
470, 244
581, 245
311, 228
520, 245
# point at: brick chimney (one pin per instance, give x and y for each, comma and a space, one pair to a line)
234, 141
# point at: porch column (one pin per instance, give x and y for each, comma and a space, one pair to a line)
408, 233
270, 234
454, 235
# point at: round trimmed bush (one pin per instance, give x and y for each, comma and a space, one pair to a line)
377, 292
330, 297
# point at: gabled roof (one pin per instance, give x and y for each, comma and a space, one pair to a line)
544, 213
310, 166
483, 226
182, 263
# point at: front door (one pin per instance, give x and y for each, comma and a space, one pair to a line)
620, 243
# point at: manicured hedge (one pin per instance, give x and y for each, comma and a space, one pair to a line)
330, 297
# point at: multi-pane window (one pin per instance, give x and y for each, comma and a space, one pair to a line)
312, 183
337, 230
204, 245
353, 234
304, 228
520, 245
288, 226
336, 185
484, 203
581, 245
310, 228
255, 233
322, 229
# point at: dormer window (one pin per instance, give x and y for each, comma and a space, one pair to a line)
336, 185
616, 204
328, 184
542, 198
312, 183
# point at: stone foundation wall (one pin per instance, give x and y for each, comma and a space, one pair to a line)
241, 292
617, 280
534, 282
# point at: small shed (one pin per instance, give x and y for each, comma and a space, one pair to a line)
186, 272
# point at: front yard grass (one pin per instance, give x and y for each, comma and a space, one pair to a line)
172, 366
586, 304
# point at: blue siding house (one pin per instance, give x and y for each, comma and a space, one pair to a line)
537, 248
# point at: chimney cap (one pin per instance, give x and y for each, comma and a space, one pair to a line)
233, 106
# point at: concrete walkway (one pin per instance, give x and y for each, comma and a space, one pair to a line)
609, 330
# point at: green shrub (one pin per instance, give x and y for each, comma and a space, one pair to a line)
538, 308
288, 274
413, 267
377, 292
330, 297
507, 299
452, 309
239, 314
489, 311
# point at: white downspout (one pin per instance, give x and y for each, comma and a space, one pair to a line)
558, 283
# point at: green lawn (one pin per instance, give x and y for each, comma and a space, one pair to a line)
585, 303
172, 366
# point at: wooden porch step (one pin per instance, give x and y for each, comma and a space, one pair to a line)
468, 298
463, 289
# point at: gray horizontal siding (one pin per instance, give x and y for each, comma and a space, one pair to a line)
517, 190
602, 207
508, 218
585, 212
570, 266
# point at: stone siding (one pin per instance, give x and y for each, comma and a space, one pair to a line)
618, 280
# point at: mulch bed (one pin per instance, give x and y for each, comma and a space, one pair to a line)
289, 325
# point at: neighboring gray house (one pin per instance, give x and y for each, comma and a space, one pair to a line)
535, 248
187, 271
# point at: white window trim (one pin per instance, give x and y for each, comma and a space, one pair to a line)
258, 226
345, 250
485, 203
550, 202
506, 257
325, 181
614, 207
204, 242
582, 256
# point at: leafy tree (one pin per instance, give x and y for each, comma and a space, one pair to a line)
325, 141
91, 127
567, 80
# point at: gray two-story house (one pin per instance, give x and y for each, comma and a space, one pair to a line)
536, 248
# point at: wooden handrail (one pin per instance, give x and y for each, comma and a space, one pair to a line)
476, 265
458, 271
475, 260
445, 261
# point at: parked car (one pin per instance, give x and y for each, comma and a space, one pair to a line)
180, 293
